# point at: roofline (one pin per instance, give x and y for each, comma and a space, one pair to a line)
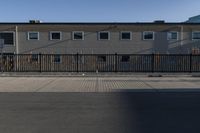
98, 23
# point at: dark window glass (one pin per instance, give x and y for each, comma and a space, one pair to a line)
57, 59
196, 35
101, 58
78, 36
125, 35
33, 36
8, 38
172, 36
125, 58
55, 36
34, 57
148, 35
104, 35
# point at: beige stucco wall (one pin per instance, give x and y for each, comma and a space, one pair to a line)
91, 44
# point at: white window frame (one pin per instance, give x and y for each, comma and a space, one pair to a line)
104, 32
172, 32
51, 32
82, 32
126, 32
14, 38
38, 34
149, 39
193, 35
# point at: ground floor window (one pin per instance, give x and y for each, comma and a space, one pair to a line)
57, 58
35, 57
101, 58
125, 58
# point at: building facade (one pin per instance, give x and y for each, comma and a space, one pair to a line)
100, 38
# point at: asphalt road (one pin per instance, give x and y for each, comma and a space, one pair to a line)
129, 112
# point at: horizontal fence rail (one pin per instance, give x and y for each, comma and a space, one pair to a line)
100, 63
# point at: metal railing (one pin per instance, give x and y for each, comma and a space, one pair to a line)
101, 63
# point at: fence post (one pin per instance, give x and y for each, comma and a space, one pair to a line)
190, 62
152, 62
2, 62
77, 62
116, 62
40, 58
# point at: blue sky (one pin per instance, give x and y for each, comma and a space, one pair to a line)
98, 10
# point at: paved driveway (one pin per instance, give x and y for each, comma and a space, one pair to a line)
96, 84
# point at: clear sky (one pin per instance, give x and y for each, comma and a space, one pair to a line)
98, 10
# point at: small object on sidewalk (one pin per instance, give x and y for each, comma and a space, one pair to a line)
154, 75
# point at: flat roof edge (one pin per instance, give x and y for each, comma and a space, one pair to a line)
98, 23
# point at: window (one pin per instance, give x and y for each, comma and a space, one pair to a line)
126, 35
78, 35
33, 35
148, 35
101, 58
125, 58
57, 58
55, 35
7, 37
34, 57
104, 35
172, 36
196, 35
81, 59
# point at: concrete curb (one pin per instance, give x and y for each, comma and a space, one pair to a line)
46, 74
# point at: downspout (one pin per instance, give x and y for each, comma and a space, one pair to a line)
16, 40
181, 39
16, 49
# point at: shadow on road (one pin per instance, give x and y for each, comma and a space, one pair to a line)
138, 111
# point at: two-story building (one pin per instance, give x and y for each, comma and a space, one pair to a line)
100, 38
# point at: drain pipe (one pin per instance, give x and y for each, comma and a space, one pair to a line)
181, 37
17, 48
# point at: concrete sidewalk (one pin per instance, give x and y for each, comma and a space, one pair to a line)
98, 84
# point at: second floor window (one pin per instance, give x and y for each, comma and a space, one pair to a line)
172, 36
104, 35
126, 35
78, 35
148, 35
55, 35
196, 35
7, 38
33, 35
